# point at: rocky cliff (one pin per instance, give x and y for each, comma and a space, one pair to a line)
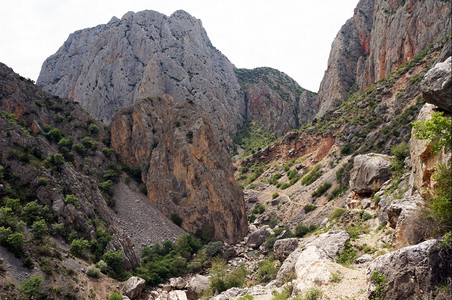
381, 36
275, 100
145, 54
184, 166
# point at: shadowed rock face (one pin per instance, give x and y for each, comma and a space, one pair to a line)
113, 65
381, 36
275, 100
184, 166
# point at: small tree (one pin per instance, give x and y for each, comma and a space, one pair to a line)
39, 229
78, 246
32, 287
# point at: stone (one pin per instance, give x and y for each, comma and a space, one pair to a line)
412, 271
177, 295
369, 172
363, 259
283, 248
134, 287
436, 86
196, 286
331, 242
177, 283
257, 238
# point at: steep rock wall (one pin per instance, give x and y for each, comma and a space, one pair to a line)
185, 168
380, 36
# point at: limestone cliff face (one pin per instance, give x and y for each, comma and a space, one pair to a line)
275, 100
185, 167
379, 37
145, 54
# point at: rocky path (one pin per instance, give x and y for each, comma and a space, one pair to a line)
138, 216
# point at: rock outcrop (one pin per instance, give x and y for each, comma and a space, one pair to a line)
437, 85
369, 172
423, 159
257, 238
275, 100
381, 36
134, 287
145, 54
411, 271
283, 248
186, 169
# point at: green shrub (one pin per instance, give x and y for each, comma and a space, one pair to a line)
258, 209
308, 208
112, 175
176, 219
71, 199
114, 260
57, 118
80, 149
437, 130
275, 195
54, 134
213, 248
256, 173
14, 242
440, 204
107, 187
301, 230
337, 192
66, 143
93, 129
108, 152
115, 296
43, 181
78, 247
32, 211
13, 204
381, 283
88, 142
267, 270
32, 287
312, 176
321, 190
347, 255
223, 278
93, 271
39, 229
337, 213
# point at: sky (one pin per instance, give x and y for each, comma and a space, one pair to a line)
293, 36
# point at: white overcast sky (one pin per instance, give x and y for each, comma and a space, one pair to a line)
293, 36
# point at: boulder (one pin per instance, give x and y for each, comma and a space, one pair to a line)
257, 238
196, 286
282, 248
177, 283
332, 242
411, 271
177, 295
369, 172
134, 286
363, 259
288, 267
436, 86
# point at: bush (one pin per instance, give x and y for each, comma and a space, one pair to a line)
53, 134
78, 247
321, 190
93, 129
440, 203
258, 209
302, 230
114, 260
80, 149
223, 278
93, 271
108, 152
312, 176
107, 187
267, 270
32, 211
213, 248
437, 131
337, 213
115, 296
275, 195
88, 142
39, 229
71, 199
176, 219
308, 208
32, 287
14, 242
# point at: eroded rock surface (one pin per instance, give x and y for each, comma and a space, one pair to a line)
186, 169
437, 85
369, 172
